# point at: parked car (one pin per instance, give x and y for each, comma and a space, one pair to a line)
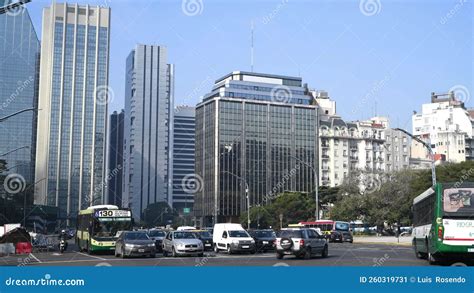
182, 243
134, 243
157, 235
209, 229
264, 239
206, 238
301, 242
232, 238
347, 237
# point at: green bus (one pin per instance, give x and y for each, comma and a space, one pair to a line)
97, 227
443, 220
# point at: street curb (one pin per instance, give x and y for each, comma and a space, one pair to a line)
383, 243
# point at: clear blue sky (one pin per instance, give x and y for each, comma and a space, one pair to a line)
396, 57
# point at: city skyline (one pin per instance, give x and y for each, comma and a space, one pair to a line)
371, 62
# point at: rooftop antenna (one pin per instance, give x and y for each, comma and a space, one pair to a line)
251, 47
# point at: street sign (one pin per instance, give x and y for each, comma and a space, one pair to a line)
186, 210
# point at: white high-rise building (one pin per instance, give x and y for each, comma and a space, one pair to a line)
73, 98
446, 125
148, 143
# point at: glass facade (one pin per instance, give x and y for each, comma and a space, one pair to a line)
74, 86
115, 163
19, 61
268, 146
183, 159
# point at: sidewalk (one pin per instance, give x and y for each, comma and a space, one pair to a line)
389, 240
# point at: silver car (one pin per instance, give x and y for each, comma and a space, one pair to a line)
182, 243
301, 242
134, 243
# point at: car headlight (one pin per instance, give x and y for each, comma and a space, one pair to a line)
180, 245
128, 245
151, 245
252, 241
236, 242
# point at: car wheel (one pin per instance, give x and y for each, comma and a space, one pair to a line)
279, 255
325, 251
216, 250
307, 253
152, 255
165, 253
229, 250
173, 252
123, 253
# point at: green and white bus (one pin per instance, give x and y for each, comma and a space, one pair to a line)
443, 220
97, 227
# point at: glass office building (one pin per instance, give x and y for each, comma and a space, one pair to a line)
184, 180
115, 159
19, 68
148, 145
73, 98
255, 130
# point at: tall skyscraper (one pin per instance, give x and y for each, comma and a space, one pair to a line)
19, 68
184, 179
148, 144
73, 97
115, 159
256, 133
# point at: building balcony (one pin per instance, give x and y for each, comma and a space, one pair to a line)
326, 157
326, 168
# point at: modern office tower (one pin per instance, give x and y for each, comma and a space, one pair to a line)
447, 126
73, 98
148, 145
19, 69
185, 183
115, 159
256, 135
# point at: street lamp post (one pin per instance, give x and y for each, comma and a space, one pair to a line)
430, 150
246, 195
316, 187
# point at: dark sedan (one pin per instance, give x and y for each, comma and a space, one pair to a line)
206, 239
264, 239
134, 243
341, 236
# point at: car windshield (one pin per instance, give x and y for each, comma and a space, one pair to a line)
290, 234
205, 234
238, 233
184, 235
342, 226
265, 234
458, 201
156, 233
135, 236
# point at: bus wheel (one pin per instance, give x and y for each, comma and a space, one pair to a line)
432, 259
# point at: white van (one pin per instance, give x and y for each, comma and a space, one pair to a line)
232, 238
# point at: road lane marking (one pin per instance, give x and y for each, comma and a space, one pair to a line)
35, 257
96, 257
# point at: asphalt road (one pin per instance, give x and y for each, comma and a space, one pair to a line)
344, 254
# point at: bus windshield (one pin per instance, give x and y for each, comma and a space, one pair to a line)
341, 226
458, 201
109, 227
